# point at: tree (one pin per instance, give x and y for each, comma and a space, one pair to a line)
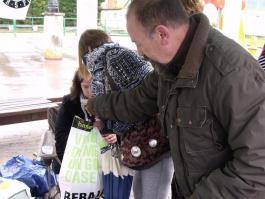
68, 7
37, 8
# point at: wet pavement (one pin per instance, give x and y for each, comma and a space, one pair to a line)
21, 139
24, 72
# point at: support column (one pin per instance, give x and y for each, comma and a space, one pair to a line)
53, 31
87, 15
231, 18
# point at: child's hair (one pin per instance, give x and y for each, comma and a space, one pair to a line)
89, 40
78, 78
193, 6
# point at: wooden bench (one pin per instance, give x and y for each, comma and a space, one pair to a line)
25, 109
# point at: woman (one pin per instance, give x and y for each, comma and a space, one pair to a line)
114, 66
72, 104
89, 40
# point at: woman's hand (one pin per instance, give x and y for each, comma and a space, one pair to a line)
110, 138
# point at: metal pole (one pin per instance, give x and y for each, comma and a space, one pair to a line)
14, 27
64, 26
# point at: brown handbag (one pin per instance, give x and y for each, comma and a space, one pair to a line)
144, 145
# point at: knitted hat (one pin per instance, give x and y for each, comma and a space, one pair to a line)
124, 66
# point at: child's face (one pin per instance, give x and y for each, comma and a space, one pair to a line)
86, 87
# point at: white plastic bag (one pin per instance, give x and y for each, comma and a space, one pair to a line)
14, 189
81, 172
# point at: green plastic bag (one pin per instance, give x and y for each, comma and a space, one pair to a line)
81, 171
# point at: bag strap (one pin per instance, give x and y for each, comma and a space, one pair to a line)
111, 82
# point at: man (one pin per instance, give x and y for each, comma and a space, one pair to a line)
210, 95
261, 59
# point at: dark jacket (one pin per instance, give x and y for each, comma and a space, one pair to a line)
213, 112
68, 109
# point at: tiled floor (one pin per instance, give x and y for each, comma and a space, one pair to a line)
21, 139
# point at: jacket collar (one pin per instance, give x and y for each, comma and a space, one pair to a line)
188, 74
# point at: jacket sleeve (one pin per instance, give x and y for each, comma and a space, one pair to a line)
62, 128
239, 105
129, 105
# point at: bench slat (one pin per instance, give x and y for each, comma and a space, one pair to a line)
22, 105
29, 108
18, 100
24, 110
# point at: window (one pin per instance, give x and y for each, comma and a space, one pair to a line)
255, 4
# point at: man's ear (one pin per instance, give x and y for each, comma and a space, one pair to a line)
162, 34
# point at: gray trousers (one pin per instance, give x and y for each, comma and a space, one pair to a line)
154, 182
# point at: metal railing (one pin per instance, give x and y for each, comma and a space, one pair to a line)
69, 25
34, 24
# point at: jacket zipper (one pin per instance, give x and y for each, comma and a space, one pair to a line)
186, 172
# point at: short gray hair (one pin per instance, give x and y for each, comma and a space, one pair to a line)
158, 12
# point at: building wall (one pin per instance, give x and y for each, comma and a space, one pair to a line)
254, 17
112, 4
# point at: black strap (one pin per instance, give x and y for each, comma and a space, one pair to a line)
111, 82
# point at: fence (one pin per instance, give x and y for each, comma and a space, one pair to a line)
34, 24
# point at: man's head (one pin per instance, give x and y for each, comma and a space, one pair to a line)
157, 27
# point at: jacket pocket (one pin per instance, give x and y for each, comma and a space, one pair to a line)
195, 129
201, 140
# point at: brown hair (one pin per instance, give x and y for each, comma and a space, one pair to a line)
154, 12
193, 6
89, 40
78, 78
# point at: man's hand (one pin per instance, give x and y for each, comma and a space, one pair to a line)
99, 124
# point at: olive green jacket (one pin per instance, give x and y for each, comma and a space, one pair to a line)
213, 113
